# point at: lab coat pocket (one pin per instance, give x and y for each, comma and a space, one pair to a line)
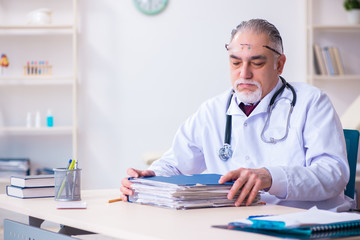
288, 151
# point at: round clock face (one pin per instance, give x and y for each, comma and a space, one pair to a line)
150, 7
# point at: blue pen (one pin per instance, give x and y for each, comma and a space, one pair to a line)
67, 189
257, 216
69, 164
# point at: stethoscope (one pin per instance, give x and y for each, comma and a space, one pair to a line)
226, 152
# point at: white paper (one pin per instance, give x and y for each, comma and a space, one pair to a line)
309, 217
71, 205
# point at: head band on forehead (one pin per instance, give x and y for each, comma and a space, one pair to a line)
245, 44
249, 47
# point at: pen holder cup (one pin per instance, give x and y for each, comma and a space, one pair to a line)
67, 184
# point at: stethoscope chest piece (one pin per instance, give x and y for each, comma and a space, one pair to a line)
225, 152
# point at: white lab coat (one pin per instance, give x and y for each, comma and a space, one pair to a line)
308, 168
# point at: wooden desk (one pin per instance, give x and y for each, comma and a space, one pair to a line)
133, 221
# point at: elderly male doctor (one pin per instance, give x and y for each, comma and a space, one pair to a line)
300, 161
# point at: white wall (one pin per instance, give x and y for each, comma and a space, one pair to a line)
141, 76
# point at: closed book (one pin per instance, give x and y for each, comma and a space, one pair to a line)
319, 60
33, 181
30, 192
333, 60
328, 61
338, 61
323, 53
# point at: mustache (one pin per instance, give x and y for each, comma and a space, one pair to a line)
246, 81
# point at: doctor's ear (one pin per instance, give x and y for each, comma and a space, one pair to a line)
280, 63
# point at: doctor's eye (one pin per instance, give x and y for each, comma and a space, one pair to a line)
258, 64
235, 63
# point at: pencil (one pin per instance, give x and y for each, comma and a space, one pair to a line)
115, 200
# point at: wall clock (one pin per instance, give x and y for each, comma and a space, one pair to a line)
150, 7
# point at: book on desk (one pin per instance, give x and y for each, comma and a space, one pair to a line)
183, 191
33, 181
30, 192
33, 186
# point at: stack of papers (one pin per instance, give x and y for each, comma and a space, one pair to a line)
183, 191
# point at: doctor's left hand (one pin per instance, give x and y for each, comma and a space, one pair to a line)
248, 181
126, 184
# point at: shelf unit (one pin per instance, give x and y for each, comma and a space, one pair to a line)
19, 94
46, 80
36, 131
327, 26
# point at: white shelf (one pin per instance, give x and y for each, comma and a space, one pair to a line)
37, 80
56, 43
29, 26
35, 29
336, 27
36, 131
335, 77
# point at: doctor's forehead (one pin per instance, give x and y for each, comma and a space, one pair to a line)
251, 37
247, 40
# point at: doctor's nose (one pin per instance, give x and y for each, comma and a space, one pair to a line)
245, 71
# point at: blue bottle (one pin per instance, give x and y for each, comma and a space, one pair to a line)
49, 119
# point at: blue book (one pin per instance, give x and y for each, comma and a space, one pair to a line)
329, 61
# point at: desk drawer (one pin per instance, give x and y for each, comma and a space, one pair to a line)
16, 231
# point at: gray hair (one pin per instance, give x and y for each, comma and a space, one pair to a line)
261, 26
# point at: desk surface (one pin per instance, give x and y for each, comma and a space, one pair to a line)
133, 221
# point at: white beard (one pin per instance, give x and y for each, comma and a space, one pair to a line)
248, 97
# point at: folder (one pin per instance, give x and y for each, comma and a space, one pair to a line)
313, 223
183, 191
182, 180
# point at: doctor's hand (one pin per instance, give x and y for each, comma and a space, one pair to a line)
248, 181
126, 184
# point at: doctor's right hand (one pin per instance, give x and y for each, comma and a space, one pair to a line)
126, 184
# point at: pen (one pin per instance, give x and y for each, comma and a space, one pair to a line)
74, 179
114, 200
69, 164
258, 216
67, 188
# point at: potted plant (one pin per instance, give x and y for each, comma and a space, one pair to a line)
353, 11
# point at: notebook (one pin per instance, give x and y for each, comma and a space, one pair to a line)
313, 223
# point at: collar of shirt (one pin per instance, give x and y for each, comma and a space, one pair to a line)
248, 108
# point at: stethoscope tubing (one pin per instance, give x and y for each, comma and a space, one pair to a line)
225, 152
